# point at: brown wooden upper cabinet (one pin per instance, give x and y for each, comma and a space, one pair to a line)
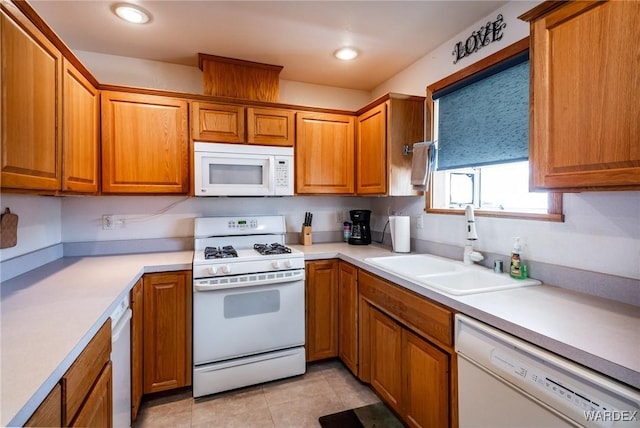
222, 123
584, 129
324, 153
217, 123
270, 126
145, 143
80, 132
31, 85
50, 113
371, 152
382, 130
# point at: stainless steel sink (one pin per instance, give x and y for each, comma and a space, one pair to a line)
449, 276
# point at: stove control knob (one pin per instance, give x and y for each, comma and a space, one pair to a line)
275, 264
288, 264
226, 269
213, 270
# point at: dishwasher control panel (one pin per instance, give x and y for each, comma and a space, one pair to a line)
568, 393
574, 393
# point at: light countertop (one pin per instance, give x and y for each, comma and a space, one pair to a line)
49, 315
601, 334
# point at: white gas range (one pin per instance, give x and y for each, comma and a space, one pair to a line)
248, 303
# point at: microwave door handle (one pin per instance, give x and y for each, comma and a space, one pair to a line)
271, 175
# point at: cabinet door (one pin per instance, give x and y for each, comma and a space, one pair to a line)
137, 350
273, 127
348, 316
31, 102
584, 125
324, 153
405, 125
425, 398
49, 413
371, 147
167, 331
80, 126
78, 381
97, 410
322, 309
145, 143
217, 123
386, 357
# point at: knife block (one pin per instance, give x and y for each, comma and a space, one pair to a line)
305, 235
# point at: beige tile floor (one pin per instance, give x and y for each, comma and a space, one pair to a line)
298, 402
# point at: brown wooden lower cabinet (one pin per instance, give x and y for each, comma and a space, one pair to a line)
89, 376
137, 380
97, 410
348, 315
385, 355
321, 309
405, 364
49, 413
167, 331
425, 395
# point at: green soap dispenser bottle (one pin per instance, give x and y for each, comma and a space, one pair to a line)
515, 268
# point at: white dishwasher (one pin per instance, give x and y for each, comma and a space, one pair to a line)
121, 364
506, 382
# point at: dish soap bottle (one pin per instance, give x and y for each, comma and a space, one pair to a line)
516, 262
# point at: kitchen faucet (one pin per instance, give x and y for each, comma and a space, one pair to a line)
470, 256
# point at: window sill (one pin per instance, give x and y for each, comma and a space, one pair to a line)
498, 214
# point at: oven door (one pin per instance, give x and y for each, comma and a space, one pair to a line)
258, 316
228, 174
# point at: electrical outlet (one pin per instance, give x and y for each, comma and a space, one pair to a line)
419, 222
107, 222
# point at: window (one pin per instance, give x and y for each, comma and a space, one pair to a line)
480, 118
501, 188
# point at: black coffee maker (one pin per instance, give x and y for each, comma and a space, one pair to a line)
360, 230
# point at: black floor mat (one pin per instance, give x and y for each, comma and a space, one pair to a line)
372, 416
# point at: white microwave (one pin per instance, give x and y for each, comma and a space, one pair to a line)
242, 170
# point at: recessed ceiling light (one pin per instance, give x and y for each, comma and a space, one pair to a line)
346, 53
132, 13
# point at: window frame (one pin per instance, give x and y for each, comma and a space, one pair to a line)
554, 209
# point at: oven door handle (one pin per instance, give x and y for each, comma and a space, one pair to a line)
248, 280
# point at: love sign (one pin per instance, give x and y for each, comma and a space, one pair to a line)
492, 32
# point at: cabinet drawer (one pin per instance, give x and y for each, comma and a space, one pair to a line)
49, 413
81, 376
425, 317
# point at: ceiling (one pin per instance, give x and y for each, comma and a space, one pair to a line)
299, 35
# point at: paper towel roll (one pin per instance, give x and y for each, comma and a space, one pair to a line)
400, 226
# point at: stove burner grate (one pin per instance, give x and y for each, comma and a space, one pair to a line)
220, 253
269, 249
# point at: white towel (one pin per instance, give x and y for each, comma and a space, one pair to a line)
424, 155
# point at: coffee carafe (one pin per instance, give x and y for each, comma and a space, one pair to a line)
360, 230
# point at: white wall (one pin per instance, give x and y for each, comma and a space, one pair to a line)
170, 216
39, 222
119, 70
438, 63
601, 232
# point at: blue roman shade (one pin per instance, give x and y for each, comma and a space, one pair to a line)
484, 119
